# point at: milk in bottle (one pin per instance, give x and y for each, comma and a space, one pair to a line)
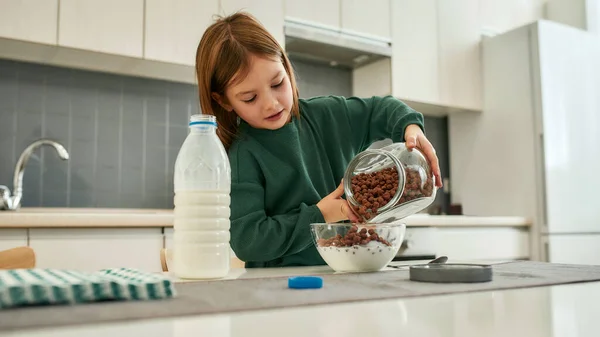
202, 182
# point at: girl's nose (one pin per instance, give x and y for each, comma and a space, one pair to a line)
271, 102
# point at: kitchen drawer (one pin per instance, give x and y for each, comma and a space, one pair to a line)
484, 243
572, 248
91, 249
11, 238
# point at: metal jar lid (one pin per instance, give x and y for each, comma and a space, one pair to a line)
451, 273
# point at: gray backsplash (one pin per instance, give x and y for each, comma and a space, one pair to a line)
122, 133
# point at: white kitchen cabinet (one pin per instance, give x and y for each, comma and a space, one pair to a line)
582, 14
415, 51
458, 38
92, 249
29, 20
325, 13
109, 26
269, 12
572, 248
500, 16
168, 234
174, 28
369, 18
11, 238
436, 58
483, 243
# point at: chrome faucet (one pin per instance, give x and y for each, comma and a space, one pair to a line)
8, 202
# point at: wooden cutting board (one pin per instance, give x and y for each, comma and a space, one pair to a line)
17, 258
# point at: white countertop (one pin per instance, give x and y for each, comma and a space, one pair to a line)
47, 217
566, 310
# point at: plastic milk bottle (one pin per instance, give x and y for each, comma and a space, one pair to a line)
202, 182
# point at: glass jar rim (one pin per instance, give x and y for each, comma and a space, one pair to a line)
350, 172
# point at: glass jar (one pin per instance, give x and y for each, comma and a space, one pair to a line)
388, 184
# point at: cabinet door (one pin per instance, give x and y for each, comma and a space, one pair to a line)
319, 12
415, 51
29, 20
501, 16
459, 55
11, 238
367, 17
168, 237
483, 243
573, 248
92, 249
268, 12
109, 26
582, 14
174, 28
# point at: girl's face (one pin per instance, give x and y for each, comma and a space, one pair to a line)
264, 98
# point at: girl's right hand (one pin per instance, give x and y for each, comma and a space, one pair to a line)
335, 209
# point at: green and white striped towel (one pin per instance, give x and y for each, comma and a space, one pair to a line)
19, 287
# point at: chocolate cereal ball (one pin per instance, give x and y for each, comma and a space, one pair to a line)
374, 190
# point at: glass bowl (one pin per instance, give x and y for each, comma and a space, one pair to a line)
347, 247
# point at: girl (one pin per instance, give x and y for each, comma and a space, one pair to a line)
287, 155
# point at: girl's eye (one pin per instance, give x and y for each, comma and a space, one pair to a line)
278, 84
249, 100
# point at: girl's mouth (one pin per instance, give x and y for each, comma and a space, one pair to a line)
275, 117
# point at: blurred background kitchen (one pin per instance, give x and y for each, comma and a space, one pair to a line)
510, 90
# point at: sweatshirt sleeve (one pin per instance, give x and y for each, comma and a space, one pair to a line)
377, 118
255, 235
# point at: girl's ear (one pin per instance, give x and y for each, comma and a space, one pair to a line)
222, 101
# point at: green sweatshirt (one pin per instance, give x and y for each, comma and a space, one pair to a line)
278, 176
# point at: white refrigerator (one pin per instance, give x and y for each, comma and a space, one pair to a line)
534, 150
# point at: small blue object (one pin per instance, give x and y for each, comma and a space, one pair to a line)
202, 123
305, 282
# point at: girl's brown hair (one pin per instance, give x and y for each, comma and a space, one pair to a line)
223, 57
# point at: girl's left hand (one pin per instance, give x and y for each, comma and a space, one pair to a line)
414, 137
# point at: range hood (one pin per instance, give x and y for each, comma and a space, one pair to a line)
309, 42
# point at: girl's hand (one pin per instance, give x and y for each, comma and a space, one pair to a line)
414, 137
334, 208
